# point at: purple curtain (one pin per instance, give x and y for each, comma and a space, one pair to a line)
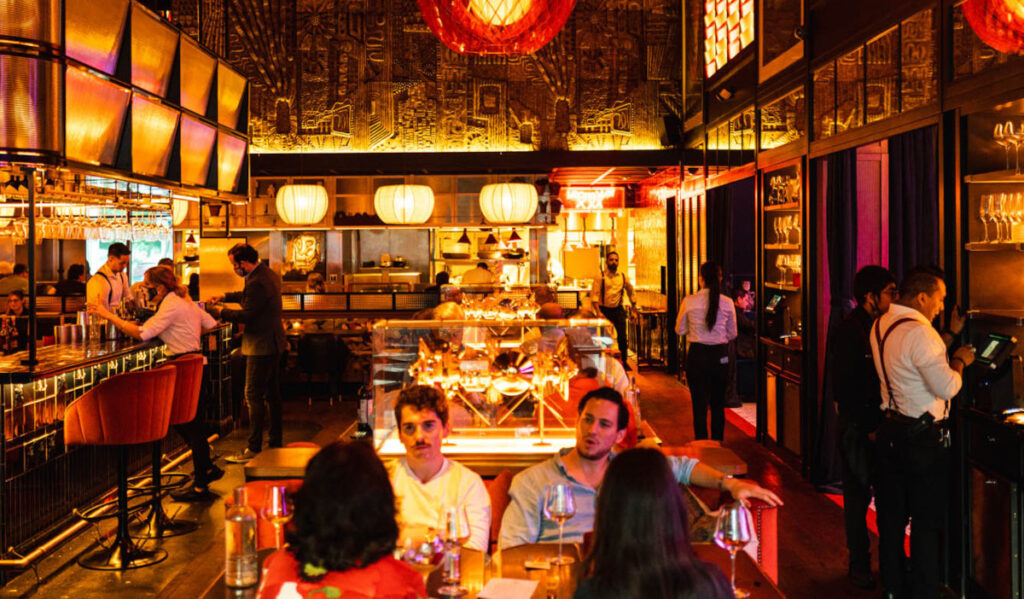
840, 216
913, 200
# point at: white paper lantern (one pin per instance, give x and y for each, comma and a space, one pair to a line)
179, 211
404, 204
302, 204
508, 203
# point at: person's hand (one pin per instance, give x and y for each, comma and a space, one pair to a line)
957, 318
215, 299
965, 354
214, 309
94, 308
744, 491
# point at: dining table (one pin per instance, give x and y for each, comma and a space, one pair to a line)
533, 563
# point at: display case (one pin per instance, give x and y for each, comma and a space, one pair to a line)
507, 382
781, 417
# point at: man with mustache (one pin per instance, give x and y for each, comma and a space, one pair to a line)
424, 480
603, 417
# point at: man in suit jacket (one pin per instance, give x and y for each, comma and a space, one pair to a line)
263, 342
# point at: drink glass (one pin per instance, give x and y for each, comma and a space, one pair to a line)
276, 510
560, 505
732, 533
454, 532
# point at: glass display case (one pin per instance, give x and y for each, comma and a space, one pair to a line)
507, 381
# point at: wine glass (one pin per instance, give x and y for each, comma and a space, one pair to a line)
1018, 211
999, 135
983, 214
780, 263
560, 505
776, 226
454, 532
422, 553
1005, 208
276, 510
732, 533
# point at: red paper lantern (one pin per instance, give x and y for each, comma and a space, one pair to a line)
495, 26
999, 23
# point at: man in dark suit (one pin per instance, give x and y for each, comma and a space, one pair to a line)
263, 342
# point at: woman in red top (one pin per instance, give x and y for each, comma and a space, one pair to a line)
343, 535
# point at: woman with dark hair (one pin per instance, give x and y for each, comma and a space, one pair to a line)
708, 321
343, 533
641, 546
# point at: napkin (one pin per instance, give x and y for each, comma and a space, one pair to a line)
508, 588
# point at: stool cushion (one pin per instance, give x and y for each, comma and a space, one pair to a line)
186, 387
125, 409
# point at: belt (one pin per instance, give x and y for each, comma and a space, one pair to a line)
903, 419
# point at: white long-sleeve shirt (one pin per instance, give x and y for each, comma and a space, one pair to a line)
419, 503
107, 288
691, 319
915, 360
179, 323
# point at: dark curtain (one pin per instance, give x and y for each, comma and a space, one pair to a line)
913, 201
719, 215
730, 215
841, 240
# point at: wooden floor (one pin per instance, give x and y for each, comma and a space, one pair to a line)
812, 552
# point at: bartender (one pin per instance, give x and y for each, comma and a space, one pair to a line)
110, 283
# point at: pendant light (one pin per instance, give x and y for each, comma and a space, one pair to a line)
302, 204
404, 204
508, 203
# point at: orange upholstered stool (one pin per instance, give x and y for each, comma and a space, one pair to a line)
126, 409
187, 384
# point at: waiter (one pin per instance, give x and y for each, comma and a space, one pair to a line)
110, 283
917, 384
607, 295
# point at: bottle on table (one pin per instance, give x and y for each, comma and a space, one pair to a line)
633, 399
241, 561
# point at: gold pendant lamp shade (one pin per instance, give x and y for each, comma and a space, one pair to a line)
508, 203
302, 204
404, 204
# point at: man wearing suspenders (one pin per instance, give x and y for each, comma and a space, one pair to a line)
914, 457
608, 293
110, 283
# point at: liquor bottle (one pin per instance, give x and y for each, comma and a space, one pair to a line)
633, 399
241, 561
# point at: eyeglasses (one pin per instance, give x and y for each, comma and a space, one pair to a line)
892, 292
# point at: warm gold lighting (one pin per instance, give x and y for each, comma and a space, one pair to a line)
404, 204
508, 203
302, 204
179, 211
500, 12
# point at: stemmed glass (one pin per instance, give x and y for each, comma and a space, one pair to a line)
1014, 136
560, 505
1017, 213
984, 213
732, 533
999, 135
780, 263
777, 226
454, 531
423, 553
276, 510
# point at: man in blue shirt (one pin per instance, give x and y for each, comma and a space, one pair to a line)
602, 424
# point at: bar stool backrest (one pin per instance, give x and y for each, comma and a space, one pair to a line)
125, 409
186, 387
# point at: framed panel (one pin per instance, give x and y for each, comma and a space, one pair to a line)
196, 76
784, 120
153, 127
882, 85
230, 156
154, 46
230, 93
920, 68
303, 253
778, 44
94, 115
728, 30
197, 143
850, 90
36, 20
30, 111
93, 37
825, 101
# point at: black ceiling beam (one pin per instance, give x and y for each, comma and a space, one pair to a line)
460, 163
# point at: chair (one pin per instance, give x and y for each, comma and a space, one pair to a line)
187, 384
497, 489
255, 491
125, 409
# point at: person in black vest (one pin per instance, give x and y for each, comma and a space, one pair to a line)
110, 283
263, 342
608, 293
856, 390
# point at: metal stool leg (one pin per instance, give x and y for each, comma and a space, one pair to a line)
157, 524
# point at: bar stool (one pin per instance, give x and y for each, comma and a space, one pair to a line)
187, 384
125, 409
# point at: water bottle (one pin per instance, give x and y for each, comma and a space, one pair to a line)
242, 563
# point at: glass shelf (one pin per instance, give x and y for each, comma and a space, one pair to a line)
1007, 176
997, 246
1015, 316
782, 246
792, 206
782, 286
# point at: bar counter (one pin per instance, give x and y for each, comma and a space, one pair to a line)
43, 481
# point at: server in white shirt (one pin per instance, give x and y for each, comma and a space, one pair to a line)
608, 293
179, 323
708, 321
110, 283
917, 384
424, 480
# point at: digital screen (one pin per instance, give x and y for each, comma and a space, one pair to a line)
995, 349
773, 303
990, 349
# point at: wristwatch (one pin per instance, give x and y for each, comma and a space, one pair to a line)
721, 481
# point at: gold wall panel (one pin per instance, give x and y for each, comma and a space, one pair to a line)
649, 252
196, 76
230, 92
94, 113
37, 20
153, 128
93, 36
153, 51
230, 155
30, 110
197, 142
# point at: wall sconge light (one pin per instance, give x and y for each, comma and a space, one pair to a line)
725, 94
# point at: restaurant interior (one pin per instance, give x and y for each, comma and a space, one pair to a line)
382, 155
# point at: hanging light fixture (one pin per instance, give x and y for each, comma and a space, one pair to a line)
179, 211
302, 204
464, 238
508, 203
404, 204
999, 23
495, 26
514, 236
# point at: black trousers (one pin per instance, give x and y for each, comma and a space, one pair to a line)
858, 457
194, 434
913, 483
617, 316
707, 373
263, 393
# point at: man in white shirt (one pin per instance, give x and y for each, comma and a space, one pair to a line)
607, 294
478, 276
917, 384
424, 481
110, 283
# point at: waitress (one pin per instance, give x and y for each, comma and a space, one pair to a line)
708, 321
179, 323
